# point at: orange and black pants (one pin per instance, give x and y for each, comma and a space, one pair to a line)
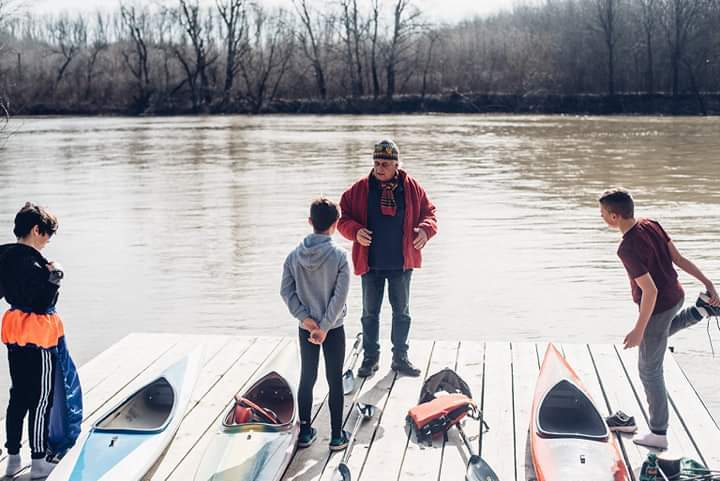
32, 374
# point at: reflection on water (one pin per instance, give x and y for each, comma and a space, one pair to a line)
182, 224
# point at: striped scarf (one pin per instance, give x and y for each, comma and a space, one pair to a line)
387, 197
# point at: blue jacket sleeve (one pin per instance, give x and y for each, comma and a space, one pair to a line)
288, 292
336, 307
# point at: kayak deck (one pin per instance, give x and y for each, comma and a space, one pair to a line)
501, 376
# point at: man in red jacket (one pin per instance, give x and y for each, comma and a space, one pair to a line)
389, 218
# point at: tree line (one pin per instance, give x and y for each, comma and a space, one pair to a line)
241, 56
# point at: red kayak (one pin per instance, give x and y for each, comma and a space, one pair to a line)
569, 439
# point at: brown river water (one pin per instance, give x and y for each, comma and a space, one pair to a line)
181, 224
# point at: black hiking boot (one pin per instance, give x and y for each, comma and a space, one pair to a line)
402, 365
368, 366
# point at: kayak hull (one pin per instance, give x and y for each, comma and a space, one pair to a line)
568, 436
115, 450
257, 449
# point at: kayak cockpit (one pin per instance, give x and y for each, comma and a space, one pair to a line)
566, 412
270, 401
148, 410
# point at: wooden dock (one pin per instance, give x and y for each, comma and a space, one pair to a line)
501, 376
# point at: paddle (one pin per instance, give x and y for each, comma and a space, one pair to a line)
477, 468
365, 411
348, 378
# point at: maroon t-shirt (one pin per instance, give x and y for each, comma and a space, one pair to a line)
644, 248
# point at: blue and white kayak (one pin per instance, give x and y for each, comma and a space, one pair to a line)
125, 443
258, 431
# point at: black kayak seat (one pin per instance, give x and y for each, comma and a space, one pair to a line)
566, 412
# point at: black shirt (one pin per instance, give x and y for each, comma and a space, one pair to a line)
25, 279
386, 250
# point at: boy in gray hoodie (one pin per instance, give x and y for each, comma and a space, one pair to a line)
315, 284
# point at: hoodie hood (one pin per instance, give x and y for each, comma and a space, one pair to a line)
314, 250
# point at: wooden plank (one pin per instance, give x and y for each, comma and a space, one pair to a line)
496, 445
578, 356
391, 436
200, 425
114, 379
679, 441
422, 462
376, 391
620, 396
308, 463
470, 367
693, 414
525, 372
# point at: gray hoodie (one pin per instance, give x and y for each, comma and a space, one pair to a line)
316, 280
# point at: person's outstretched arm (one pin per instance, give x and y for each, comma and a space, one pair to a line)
688, 266
647, 305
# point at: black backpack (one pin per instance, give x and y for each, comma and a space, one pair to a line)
446, 380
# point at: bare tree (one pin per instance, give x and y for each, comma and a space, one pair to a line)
680, 18
265, 65
311, 43
405, 24
198, 31
98, 44
433, 36
68, 36
234, 17
606, 15
375, 26
648, 17
136, 23
7, 9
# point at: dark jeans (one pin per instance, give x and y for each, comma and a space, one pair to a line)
32, 375
373, 288
334, 354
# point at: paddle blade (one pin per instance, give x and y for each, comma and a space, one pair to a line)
479, 470
348, 381
342, 473
366, 410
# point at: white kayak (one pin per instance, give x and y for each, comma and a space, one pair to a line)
258, 432
125, 443
569, 439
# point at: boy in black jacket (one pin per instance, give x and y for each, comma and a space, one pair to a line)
31, 330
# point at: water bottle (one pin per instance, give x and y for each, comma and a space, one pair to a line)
649, 470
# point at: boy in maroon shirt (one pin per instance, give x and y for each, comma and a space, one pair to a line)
648, 255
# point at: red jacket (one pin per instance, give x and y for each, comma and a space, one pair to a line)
419, 212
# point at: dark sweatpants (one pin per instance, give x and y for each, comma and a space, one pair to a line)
32, 374
334, 354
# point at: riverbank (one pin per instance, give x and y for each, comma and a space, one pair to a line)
451, 102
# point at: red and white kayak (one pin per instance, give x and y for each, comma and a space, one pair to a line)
569, 439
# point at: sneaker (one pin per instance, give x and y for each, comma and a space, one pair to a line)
402, 365
651, 440
307, 436
41, 468
14, 465
368, 366
621, 423
340, 443
705, 308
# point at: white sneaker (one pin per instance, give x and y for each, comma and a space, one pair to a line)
41, 468
14, 465
651, 440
